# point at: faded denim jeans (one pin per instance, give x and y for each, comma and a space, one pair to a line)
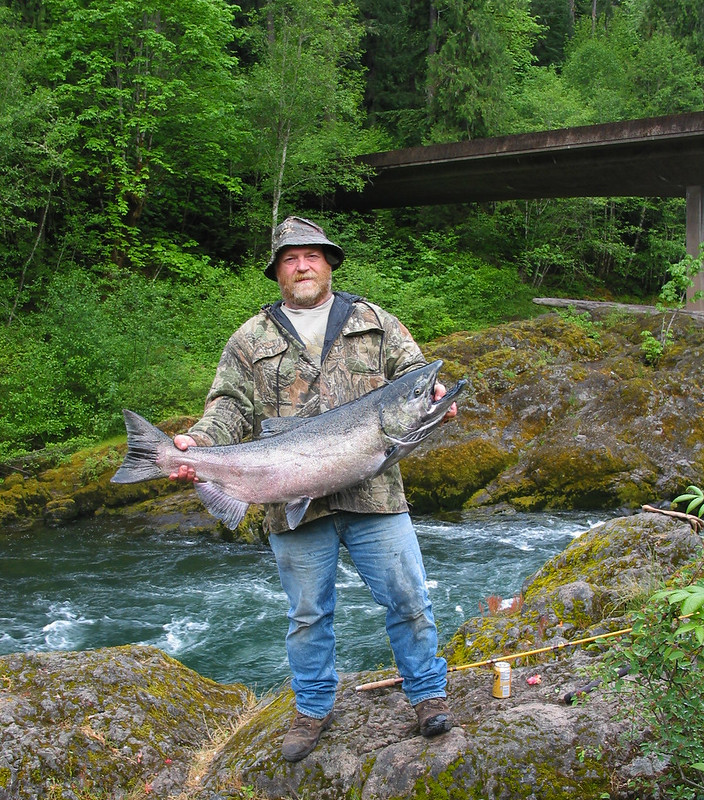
385, 552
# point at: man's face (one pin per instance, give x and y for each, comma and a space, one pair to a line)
304, 276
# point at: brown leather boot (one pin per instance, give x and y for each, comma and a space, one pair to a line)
434, 716
303, 735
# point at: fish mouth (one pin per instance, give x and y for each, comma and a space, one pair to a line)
437, 410
448, 399
430, 412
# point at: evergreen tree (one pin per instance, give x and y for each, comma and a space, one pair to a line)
483, 52
682, 19
396, 47
557, 20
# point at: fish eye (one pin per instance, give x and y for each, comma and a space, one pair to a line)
417, 391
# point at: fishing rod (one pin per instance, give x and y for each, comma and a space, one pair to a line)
398, 679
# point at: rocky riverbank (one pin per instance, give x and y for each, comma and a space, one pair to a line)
131, 722
562, 411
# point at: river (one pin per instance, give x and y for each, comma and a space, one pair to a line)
218, 607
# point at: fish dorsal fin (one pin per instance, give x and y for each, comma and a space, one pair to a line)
273, 426
295, 511
220, 504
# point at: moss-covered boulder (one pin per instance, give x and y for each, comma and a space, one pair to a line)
117, 722
564, 411
529, 745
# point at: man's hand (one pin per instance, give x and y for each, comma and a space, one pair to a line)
439, 391
185, 472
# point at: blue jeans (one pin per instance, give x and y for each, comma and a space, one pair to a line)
385, 552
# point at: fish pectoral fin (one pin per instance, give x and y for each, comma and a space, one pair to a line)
392, 455
272, 426
220, 504
295, 511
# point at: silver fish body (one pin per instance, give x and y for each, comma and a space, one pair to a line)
297, 459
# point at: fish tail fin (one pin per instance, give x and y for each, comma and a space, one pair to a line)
144, 443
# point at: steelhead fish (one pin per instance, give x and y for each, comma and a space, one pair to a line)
297, 459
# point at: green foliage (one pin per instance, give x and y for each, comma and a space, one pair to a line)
673, 296
303, 97
674, 292
426, 280
96, 348
652, 348
395, 50
130, 107
691, 602
665, 654
694, 497
33, 138
482, 50
557, 20
666, 78
621, 70
579, 245
544, 101
96, 465
683, 19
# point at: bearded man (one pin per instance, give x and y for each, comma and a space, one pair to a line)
307, 353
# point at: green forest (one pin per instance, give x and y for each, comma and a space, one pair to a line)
147, 147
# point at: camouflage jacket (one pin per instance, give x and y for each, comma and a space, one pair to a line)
265, 371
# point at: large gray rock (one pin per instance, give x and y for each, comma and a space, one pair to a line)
529, 745
105, 723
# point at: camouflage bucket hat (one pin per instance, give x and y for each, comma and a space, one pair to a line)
299, 232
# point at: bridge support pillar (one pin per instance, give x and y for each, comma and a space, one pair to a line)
695, 239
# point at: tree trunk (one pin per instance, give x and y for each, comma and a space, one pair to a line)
432, 46
28, 261
278, 185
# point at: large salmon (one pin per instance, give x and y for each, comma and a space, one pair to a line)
297, 459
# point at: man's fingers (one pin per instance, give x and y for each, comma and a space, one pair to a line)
439, 391
184, 473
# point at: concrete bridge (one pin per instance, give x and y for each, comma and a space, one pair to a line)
654, 157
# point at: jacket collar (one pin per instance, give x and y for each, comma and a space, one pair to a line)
340, 313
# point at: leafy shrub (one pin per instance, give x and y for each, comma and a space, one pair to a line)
665, 653
100, 346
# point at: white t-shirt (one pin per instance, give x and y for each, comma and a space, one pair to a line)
310, 325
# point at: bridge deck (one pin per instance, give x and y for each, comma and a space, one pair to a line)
656, 157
